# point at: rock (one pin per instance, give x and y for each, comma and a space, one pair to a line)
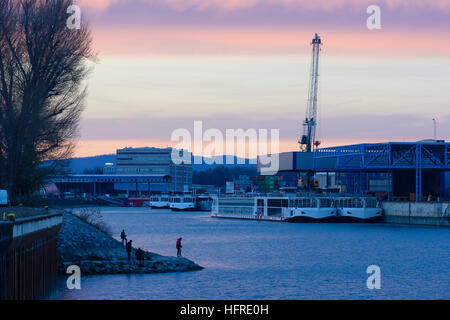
95, 252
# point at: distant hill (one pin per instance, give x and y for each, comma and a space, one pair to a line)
79, 165
219, 175
220, 161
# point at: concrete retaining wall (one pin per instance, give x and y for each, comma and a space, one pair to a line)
421, 213
29, 257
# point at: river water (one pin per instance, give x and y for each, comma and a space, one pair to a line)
272, 260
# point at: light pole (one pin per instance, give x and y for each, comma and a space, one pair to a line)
434, 127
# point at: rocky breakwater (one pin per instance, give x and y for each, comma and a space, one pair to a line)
95, 252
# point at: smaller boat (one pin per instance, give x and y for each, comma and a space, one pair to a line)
138, 202
364, 209
204, 202
160, 202
182, 203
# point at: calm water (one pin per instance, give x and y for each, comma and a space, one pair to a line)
269, 260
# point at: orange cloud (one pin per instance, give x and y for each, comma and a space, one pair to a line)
88, 148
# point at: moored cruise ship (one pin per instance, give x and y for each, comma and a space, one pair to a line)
362, 209
297, 209
308, 209
275, 208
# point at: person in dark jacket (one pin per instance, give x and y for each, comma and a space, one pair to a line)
179, 246
123, 236
139, 254
129, 248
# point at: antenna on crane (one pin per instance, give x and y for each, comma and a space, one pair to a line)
308, 141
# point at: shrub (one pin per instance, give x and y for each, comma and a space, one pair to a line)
94, 217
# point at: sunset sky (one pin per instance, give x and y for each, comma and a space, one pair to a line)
245, 64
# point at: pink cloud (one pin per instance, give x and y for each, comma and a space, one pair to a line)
96, 4
182, 41
229, 5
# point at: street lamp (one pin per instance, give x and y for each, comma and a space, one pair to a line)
434, 127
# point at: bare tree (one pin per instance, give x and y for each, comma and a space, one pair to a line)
43, 65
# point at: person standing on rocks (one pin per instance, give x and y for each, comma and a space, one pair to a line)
179, 246
139, 254
129, 247
123, 236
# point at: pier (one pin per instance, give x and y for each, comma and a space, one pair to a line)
411, 213
417, 213
248, 217
392, 212
28, 257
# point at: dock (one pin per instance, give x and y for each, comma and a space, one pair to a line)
247, 217
406, 213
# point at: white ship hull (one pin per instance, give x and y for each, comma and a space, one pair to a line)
159, 205
310, 214
359, 214
185, 206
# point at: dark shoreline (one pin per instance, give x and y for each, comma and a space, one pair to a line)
95, 252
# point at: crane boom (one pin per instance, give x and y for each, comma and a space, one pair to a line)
308, 140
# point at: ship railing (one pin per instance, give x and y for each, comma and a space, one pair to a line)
236, 209
247, 216
232, 196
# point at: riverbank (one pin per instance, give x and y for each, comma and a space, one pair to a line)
95, 252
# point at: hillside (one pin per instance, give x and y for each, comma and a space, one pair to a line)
79, 165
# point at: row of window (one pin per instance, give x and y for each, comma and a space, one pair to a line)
113, 180
324, 203
130, 170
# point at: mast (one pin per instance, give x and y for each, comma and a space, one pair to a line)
308, 140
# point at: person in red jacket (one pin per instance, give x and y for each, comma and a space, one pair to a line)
179, 246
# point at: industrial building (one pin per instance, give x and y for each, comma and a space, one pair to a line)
138, 171
100, 184
155, 162
415, 171
407, 171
